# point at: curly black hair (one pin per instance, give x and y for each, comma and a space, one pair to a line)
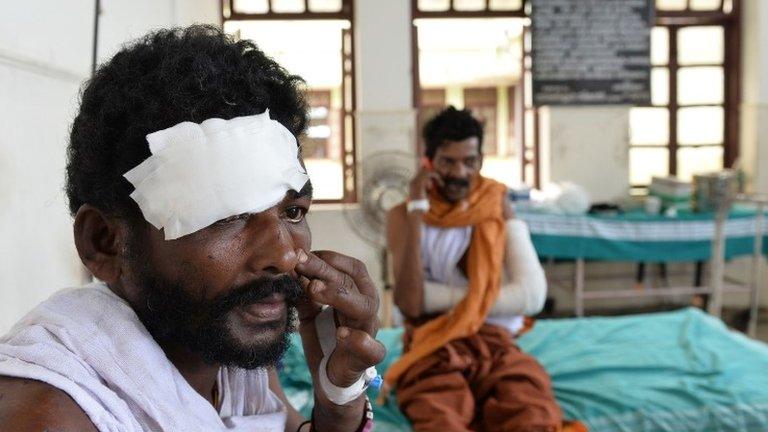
451, 124
167, 77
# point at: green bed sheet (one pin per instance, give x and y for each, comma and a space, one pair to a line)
668, 372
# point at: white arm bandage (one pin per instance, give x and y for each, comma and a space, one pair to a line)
523, 291
326, 334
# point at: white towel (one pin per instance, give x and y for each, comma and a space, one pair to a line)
89, 343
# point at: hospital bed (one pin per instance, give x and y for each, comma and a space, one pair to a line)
680, 371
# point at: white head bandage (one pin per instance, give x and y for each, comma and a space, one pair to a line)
201, 173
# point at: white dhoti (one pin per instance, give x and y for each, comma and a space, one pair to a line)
89, 343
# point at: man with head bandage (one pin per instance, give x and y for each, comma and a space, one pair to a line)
465, 274
189, 197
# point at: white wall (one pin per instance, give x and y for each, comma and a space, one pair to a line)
40, 73
124, 20
586, 146
45, 55
754, 107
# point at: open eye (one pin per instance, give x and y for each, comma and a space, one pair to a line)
295, 214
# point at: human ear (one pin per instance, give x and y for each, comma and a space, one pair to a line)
100, 241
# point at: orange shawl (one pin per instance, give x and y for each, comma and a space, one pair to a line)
484, 212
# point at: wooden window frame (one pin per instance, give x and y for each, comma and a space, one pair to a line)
730, 22
451, 12
348, 86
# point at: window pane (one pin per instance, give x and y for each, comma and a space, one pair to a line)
503, 169
483, 103
649, 126
468, 5
700, 125
670, 4
319, 61
700, 160
527, 42
251, 6
528, 89
705, 5
327, 178
288, 6
434, 5
660, 86
529, 173
506, 4
700, 45
529, 129
700, 85
645, 163
660, 46
530, 154
325, 5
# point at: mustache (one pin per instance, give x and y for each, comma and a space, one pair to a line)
260, 289
456, 181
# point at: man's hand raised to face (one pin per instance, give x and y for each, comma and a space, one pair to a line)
343, 283
422, 182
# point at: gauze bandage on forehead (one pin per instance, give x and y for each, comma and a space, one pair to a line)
201, 173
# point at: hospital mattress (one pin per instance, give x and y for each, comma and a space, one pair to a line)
681, 371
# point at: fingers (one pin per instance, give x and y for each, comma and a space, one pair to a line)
351, 266
349, 303
341, 282
437, 178
307, 308
312, 267
355, 352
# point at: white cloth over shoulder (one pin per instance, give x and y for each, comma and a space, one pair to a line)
523, 287
89, 343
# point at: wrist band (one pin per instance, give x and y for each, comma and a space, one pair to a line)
366, 425
326, 334
419, 204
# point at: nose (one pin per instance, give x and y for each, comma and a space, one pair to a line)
274, 250
459, 170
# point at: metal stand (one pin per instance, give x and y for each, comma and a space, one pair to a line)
757, 272
578, 284
718, 261
717, 269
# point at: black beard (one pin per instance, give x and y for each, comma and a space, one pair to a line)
455, 181
455, 195
173, 316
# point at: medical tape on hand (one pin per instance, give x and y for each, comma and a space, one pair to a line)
326, 335
202, 173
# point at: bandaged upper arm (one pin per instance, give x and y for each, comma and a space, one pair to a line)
523, 290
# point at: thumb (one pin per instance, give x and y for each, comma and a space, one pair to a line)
355, 352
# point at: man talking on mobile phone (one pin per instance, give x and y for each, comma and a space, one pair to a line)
466, 274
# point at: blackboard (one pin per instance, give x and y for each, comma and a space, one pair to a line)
591, 52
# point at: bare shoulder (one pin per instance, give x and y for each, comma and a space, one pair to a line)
29, 405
